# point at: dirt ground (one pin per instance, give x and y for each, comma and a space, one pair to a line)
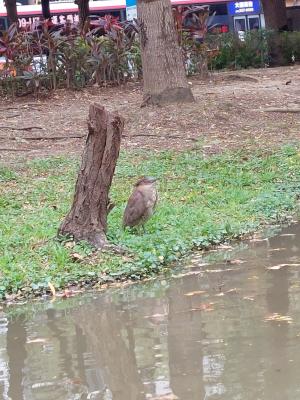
232, 110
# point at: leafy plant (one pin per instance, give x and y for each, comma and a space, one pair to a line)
55, 56
237, 54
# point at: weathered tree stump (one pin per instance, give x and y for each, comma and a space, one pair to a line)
87, 219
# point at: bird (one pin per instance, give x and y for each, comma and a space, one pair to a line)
141, 204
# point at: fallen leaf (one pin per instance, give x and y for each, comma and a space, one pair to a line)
126, 258
221, 294
186, 274
92, 395
233, 262
278, 249
253, 278
204, 307
279, 266
224, 247
196, 265
248, 298
77, 257
276, 267
156, 316
52, 288
37, 340
256, 240
295, 286
279, 318
220, 270
69, 244
293, 265
234, 290
68, 293
194, 293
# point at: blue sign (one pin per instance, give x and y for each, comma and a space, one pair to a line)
244, 7
130, 3
131, 10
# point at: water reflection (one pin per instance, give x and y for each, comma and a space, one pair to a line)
227, 330
16, 352
185, 336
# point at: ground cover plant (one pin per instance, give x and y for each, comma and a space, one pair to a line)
203, 201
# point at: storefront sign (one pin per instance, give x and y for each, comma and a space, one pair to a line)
244, 7
131, 10
56, 19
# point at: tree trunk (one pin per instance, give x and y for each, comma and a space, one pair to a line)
275, 14
83, 11
12, 13
87, 219
46, 9
276, 19
162, 59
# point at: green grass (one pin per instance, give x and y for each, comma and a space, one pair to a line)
202, 202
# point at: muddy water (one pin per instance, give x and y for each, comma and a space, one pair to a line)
224, 327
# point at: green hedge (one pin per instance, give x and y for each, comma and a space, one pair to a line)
258, 49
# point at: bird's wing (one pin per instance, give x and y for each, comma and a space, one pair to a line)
135, 209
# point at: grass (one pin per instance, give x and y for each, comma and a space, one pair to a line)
202, 202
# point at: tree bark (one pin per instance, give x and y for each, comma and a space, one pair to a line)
12, 13
83, 11
46, 9
276, 19
275, 14
162, 59
87, 219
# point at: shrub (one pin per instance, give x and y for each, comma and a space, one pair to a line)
287, 44
109, 54
252, 52
64, 57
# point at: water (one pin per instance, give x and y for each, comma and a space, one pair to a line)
227, 327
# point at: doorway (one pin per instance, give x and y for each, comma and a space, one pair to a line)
244, 23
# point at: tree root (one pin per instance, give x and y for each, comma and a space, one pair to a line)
282, 110
43, 137
28, 128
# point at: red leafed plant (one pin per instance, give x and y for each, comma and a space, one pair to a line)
7, 42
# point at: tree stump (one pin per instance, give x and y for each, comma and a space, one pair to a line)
87, 219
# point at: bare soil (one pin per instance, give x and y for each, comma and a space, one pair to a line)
231, 111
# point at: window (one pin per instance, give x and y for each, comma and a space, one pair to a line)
219, 9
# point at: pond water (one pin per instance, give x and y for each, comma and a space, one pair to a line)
226, 326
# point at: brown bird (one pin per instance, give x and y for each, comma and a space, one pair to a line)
141, 203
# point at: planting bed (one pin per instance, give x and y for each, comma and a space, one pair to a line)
229, 113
